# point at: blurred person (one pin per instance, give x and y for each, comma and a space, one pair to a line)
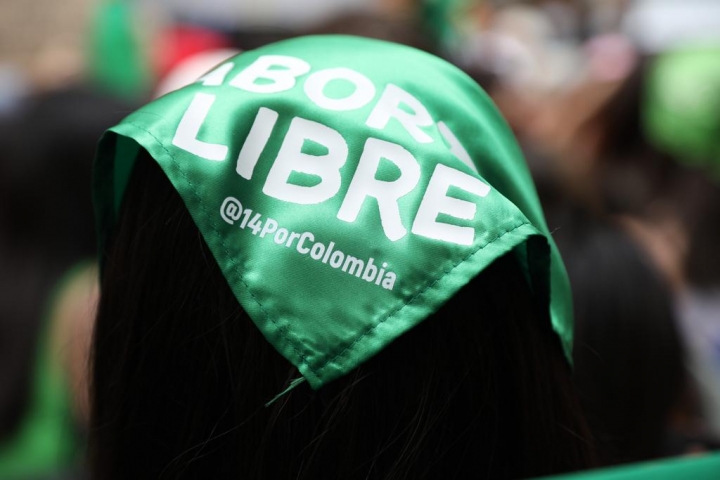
656, 161
46, 227
522, 52
650, 155
591, 131
430, 338
681, 117
629, 356
566, 129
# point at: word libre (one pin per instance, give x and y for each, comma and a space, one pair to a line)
272, 74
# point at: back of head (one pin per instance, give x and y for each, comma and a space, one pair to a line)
181, 376
430, 331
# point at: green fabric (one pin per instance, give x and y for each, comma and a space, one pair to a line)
681, 108
441, 17
45, 440
116, 60
347, 188
706, 467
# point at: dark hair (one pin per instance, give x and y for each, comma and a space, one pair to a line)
181, 376
629, 358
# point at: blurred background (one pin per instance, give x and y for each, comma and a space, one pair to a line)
616, 104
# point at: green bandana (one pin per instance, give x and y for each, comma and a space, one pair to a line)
347, 188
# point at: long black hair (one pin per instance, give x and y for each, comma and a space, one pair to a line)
181, 376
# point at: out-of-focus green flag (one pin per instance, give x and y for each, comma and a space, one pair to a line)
681, 107
440, 17
117, 63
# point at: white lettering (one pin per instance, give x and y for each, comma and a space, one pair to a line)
316, 83
388, 106
370, 271
217, 76
456, 147
316, 252
265, 68
389, 281
189, 128
293, 236
255, 142
328, 252
303, 237
353, 266
270, 226
337, 259
381, 273
281, 235
436, 201
364, 184
291, 159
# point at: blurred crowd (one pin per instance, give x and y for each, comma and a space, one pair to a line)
615, 103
